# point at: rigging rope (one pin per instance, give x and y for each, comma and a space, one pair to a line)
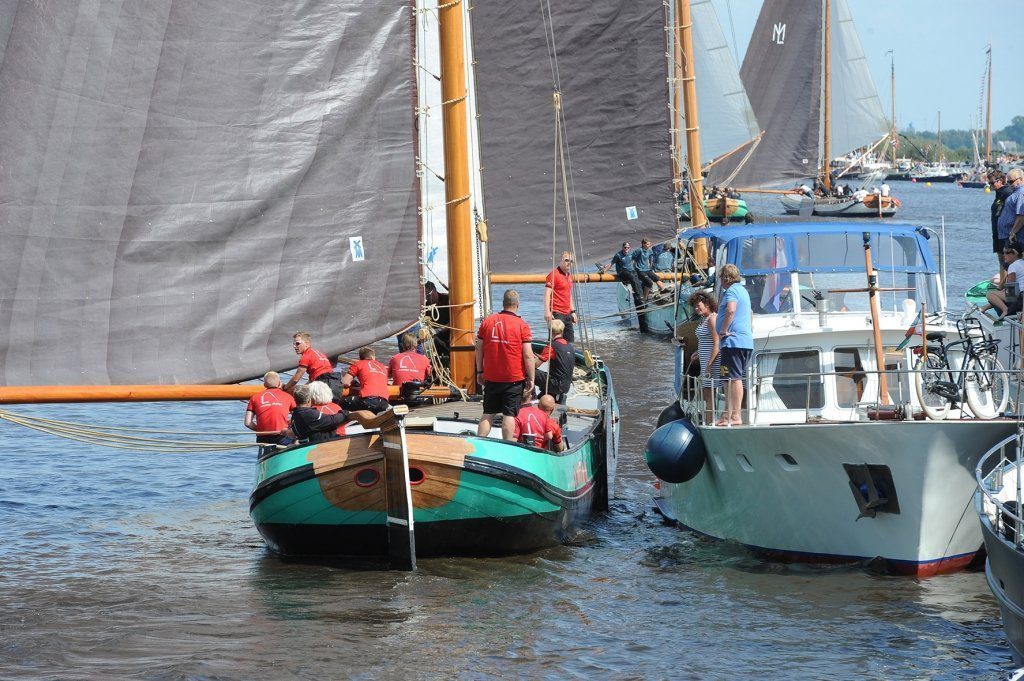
120, 438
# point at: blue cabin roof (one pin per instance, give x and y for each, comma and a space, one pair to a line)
820, 247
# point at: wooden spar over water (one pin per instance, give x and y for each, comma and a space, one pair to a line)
695, 181
579, 278
456, 190
52, 394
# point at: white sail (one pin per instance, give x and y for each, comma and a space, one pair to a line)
728, 120
857, 116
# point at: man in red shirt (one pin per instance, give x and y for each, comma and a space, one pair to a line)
558, 296
534, 426
312, 363
268, 411
504, 360
373, 384
408, 365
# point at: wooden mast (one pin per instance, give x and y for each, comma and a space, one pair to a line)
698, 217
456, 189
988, 111
939, 135
677, 107
892, 98
876, 315
827, 99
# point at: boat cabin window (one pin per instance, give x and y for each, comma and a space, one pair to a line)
850, 377
789, 380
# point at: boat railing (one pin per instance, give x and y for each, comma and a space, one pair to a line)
1000, 495
816, 397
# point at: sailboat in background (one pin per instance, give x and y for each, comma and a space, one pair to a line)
183, 194
730, 127
978, 179
795, 44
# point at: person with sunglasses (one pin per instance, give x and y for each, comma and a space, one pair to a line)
558, 303
1007, 299
312, 363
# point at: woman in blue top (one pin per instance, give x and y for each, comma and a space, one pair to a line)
737, 341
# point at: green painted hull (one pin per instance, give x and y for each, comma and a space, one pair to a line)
477, 496
736, 211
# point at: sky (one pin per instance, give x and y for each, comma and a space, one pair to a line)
939, 48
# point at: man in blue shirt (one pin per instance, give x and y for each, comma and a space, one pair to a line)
625, 272
643, 262
735, 329
1011, 219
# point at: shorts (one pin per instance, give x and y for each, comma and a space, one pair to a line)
734, 363
503, 398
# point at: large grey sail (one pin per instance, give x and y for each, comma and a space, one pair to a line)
725, 116
188, 183
782, 75
612, 70
857, 117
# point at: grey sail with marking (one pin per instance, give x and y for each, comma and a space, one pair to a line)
611, 70
186, 184
725, 115
782, 73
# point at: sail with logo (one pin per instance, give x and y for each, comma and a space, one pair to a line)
793, 44
185, 190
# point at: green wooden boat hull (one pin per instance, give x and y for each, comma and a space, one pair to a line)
471, 495
736, 209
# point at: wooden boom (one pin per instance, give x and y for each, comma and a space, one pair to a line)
46, 394
582, 277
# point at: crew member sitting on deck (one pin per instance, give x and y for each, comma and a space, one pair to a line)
561, 358
268, 411
373, 383
309, 424
626, 272
643, 261
312, 363
323, 401
535, 427
408, 365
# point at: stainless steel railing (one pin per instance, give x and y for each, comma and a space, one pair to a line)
704, 402
1000, 488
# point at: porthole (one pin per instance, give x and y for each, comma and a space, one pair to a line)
367, 477
787, 462
416, 475
744, 463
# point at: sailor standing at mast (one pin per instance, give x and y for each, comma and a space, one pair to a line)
558, 296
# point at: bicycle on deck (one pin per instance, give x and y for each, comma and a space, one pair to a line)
963, 370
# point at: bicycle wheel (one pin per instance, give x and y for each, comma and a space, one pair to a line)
934, 404
987, 387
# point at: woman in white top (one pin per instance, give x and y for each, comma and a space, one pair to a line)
705, 306
1008, 299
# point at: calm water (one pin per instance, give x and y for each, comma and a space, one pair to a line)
121, 564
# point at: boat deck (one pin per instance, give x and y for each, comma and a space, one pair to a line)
577, 417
